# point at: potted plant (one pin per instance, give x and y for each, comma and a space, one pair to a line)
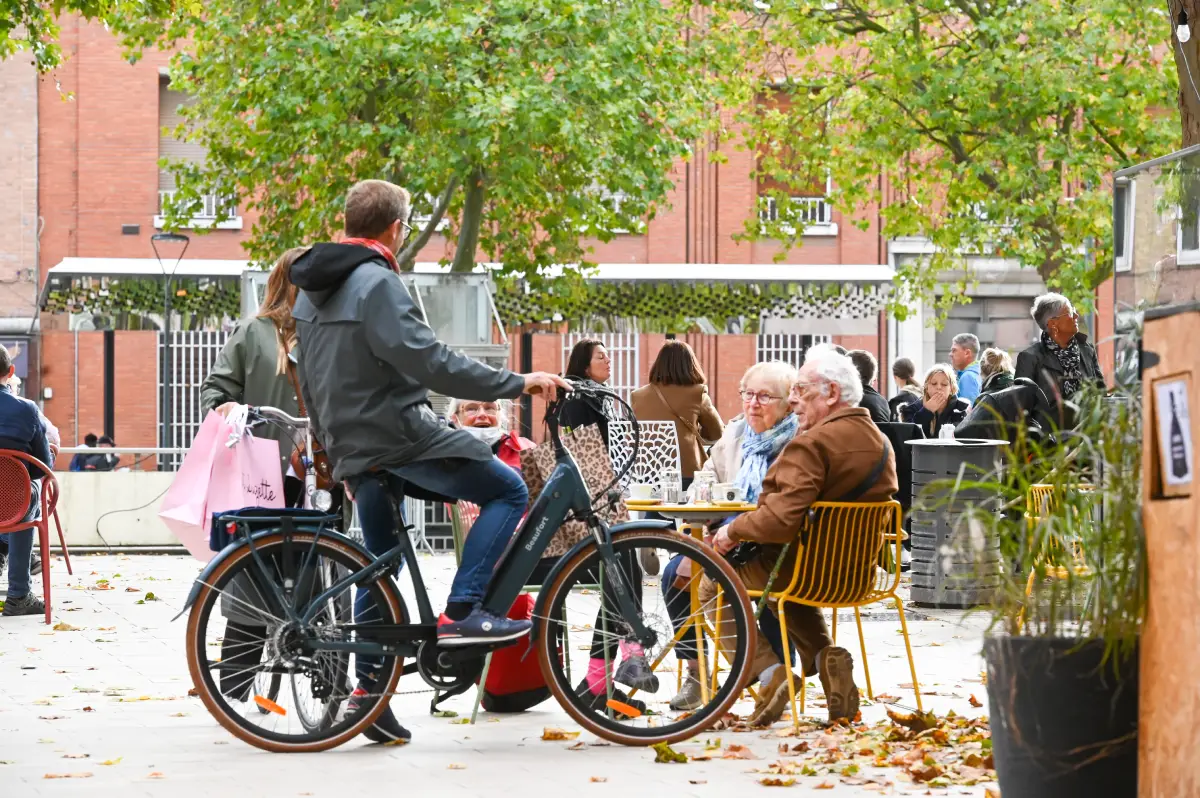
1062, 649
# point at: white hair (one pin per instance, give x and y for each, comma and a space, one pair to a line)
779, 374
833, 368
1048, 306
502, 406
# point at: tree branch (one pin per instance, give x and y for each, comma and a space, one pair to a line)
1112, 145
409, 253
472, 220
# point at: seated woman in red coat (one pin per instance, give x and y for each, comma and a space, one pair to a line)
488, 421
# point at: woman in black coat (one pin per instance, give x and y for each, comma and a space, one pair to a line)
1061, 361
590, 364
940, 403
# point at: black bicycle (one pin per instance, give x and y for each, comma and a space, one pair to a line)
297, 578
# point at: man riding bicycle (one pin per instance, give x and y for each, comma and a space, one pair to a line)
367, 361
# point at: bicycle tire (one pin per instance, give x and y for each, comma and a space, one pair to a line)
205, 684
697, 721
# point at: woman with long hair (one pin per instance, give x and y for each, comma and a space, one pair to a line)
678, 392
590, 364
252, 368
904, 373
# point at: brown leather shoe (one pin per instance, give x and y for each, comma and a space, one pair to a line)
837, 679
772, 699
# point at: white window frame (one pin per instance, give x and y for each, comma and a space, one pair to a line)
420, 220
767, 212
197, 222
1123, 260
1185, 257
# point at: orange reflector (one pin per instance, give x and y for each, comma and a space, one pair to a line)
625, 709
269, 705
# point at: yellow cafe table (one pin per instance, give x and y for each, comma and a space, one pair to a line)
692, 519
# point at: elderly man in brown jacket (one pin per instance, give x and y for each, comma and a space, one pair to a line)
839, 455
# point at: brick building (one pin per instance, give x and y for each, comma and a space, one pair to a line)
87, 189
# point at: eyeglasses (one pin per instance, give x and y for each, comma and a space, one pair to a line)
475, 410
407, 230
759, 397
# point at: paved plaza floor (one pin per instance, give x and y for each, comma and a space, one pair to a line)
104, 710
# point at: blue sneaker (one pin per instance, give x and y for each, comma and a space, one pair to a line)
480, 627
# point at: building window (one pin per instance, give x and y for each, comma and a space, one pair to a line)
207, 210
1187, 230
613, 201
1123, 204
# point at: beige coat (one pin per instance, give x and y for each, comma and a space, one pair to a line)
689, 403
725, 457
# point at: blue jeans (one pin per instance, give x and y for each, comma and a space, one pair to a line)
20, 548
497, 489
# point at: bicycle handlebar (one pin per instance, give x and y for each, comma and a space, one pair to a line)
275, 414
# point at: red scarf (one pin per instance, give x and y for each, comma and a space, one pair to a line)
379, 247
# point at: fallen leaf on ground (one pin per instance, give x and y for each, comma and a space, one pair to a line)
738, 752
461, 721
551, 734
180, 715
133, 590
150, 597
193, 692
455, 766
664, 754
886, 698
577, 747
67, 776
974, 701
63, 626
598, 779
705, 781
992, 792
775, 781
155, 775
825, 785
441, 713
51, 717
400, 741
112, 761
76, 756
916, 721
88, 709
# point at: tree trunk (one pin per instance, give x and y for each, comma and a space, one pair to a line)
1187, 65
408, 255
472, 219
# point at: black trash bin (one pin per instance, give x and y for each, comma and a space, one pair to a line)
949, 570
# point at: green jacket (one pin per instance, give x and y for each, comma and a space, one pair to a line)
245, 372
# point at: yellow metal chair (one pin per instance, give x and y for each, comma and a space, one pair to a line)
1040, 501
838, 565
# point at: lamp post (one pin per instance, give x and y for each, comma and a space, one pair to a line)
168, 281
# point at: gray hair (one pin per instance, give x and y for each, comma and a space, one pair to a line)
967, 341
779, 374
502, 406
833, 368
1048, 306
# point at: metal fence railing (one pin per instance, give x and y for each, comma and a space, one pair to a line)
788, 347
625, 351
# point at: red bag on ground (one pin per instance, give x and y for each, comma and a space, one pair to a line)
514, 680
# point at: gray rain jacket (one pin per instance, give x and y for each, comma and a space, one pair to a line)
367, 361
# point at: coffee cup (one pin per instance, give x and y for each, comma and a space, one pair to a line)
640, 490
726, 492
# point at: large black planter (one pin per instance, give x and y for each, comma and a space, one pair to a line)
1063, 724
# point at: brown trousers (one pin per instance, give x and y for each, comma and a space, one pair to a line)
806, 625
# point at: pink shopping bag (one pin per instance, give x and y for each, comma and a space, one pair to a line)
245, 475
183, 508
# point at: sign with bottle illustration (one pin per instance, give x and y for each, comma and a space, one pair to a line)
1176, 459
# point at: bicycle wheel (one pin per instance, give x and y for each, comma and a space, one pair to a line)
706, 618
312, 712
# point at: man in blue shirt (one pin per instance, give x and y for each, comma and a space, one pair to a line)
22, 430
964, 352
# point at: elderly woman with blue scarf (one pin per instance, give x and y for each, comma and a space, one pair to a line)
748, 446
